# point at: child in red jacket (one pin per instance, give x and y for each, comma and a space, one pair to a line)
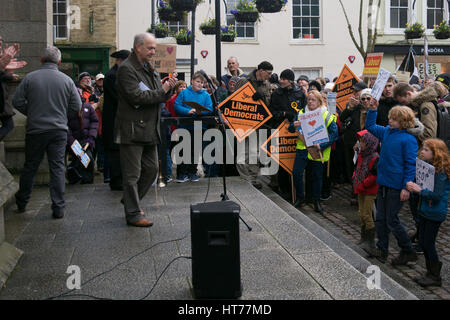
365, 185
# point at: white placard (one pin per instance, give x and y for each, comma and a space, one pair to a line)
425, 175
331, 102
380, 83
80, 153
313, 128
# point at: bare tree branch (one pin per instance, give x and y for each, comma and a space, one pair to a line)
352, 36
361, 39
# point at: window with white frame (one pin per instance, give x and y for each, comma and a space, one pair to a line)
306, 19
398, 12
244, 30
60, 19
176, 26
311, 73
436, 12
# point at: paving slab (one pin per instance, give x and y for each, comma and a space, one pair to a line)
280, 258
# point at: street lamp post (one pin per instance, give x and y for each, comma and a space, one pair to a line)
218, 43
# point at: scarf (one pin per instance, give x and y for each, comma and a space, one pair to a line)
362, 171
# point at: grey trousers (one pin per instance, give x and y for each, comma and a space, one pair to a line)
247, 162
54, 144
139, 165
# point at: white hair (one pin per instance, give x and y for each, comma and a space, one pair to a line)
51, 54
140, 38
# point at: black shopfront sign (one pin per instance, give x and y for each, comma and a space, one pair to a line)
419, 50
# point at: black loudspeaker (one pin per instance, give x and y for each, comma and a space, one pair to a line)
216, 264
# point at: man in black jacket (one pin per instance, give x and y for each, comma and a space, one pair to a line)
285, 103
109, 114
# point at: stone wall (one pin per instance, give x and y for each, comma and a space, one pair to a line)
29, 23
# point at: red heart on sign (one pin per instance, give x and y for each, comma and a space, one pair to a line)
312, 123
204, 53
170, 50
352, 58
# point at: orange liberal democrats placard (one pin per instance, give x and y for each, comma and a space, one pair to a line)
285, 148
343, 87
372, 65
243, 114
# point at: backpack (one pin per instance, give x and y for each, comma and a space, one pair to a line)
443, 123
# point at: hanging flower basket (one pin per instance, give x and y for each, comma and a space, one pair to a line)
184, 5
442, 31
208, 27
442, 35
208, 30
246, 16
245, 11
227, 38
184, 42
161, 30
183, 37
414, 31
168, 14
413, 35
270, 6
227, 33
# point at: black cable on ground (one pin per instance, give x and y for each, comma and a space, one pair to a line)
65, 294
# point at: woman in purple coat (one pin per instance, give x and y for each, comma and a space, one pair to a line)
83, 127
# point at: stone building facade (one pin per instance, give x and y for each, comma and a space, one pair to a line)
85, 31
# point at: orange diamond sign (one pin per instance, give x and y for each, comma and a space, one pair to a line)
243, 114
343, 87
284, 149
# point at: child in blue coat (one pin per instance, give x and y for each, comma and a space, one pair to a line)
196, 93
433, 208
396, 167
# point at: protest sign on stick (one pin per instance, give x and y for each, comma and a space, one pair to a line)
380, 83
425, 175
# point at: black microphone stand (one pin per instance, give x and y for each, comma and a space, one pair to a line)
219, 119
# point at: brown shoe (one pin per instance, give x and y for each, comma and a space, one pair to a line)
143, 223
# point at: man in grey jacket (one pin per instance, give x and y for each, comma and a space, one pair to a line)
140, 94
45, 96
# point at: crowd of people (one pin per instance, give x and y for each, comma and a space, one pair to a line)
372, 145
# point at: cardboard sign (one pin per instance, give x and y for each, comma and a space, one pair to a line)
313, 128
343, 87
434, 69
372, 64
79, 152
403, 76
425, 175
331, 102
380, 83
165, 58
284, 151
243, 114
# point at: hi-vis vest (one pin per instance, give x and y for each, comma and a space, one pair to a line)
327, 118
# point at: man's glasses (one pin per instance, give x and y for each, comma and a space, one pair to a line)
364, 99
268, 72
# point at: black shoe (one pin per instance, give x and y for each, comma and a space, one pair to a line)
404, 257
325, 197
257, 185
20, 207
299, 203
317, 207
379, 254
58, 215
